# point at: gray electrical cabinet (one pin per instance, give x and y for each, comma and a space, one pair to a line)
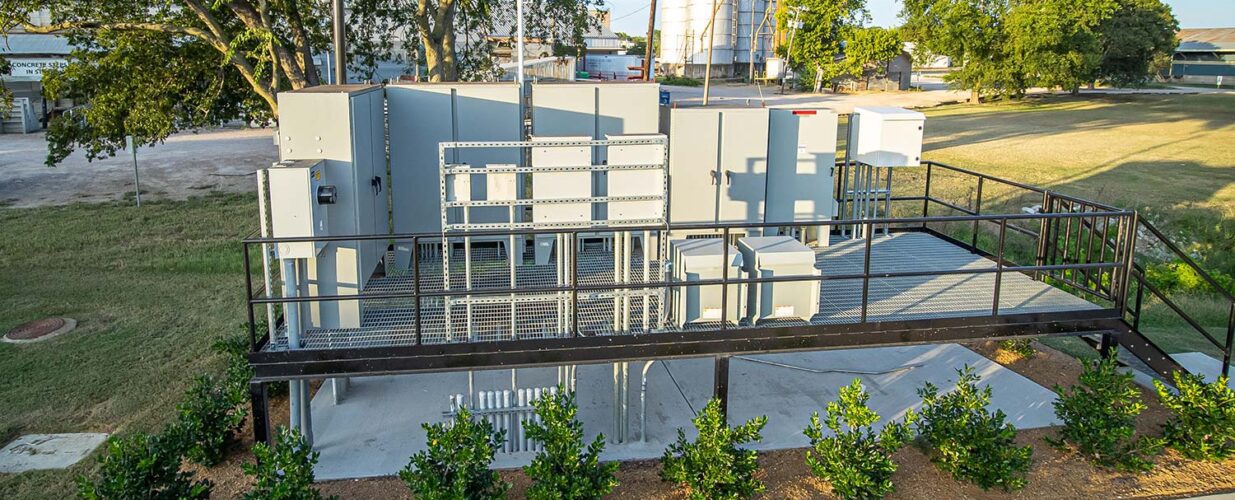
886, 136
596, 110
704, 259
779, 256
801, 156
345, 126
717, 164
423, 115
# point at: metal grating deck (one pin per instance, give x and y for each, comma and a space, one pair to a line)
391, 322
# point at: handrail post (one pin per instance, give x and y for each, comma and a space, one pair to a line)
416, 288
1003, 228
973, 244
866, 272
1043, 228
248, 299
1128, 260
724, 280
926, 195
574, 284
1230, 337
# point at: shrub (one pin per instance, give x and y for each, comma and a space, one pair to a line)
208, 417
141, 466
856, 460
563, 468
238, 373
1202, 426
713, 466
284, 471
1020, 347
683, 81
456, 463
1099, 418
968, 441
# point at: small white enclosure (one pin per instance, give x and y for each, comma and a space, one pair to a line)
636, 182
779, 256
294, 186
801, 155
704, 259
886, 136
561, 185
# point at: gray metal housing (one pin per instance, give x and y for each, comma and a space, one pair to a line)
717, 164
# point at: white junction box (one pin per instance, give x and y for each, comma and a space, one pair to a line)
561, 185
704, 259
641, 182
298, 189
801, 157
886, 136
779, 256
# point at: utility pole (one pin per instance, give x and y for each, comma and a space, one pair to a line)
789, 53
707, 69
647, 52
340, 44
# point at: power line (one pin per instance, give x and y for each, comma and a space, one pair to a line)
628, 14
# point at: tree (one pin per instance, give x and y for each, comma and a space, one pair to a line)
1138, 33
818, 42
151, 68
1058, 43
564, 468
972, 34
6, 96
868, 50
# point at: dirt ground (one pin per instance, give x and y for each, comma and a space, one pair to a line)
1055, 473
187, 164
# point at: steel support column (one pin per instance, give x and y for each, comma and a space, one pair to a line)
720, 388
259, 403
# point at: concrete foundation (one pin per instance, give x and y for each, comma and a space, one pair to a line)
376, 426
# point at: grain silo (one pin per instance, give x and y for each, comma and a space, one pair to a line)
685, 35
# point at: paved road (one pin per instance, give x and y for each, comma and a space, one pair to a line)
187, 164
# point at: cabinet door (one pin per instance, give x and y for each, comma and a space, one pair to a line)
743, 165
693, 157
801, 154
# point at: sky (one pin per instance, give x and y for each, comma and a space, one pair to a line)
631, 16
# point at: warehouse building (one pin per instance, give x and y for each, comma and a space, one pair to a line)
1205, 56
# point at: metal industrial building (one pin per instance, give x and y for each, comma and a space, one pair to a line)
1204, 55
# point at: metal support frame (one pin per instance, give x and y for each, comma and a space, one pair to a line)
720, 387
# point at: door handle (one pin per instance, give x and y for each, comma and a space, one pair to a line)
728, 178
376, 182
712, 175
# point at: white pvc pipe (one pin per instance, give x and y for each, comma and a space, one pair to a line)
643, 405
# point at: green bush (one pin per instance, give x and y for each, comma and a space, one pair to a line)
456, 463
968, 441
141, 466
682, 81
1021, 347
1202, 426
713, 466
1099, 418
563, 468
1177, 276
856, 460
284, 471
238, 372
208, 418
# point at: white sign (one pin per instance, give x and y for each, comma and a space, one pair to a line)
34, 67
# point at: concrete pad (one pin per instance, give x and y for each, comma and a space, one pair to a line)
1201, 364
375, 428
47, 451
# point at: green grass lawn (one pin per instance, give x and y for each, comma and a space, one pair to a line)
152, 288
1172, 157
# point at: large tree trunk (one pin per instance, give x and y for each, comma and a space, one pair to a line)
440, 59
975, 97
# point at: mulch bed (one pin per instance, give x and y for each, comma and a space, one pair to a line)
1055, 473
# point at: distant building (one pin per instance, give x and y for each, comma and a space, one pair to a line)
1204, 55
743, 37
29, 55
601, 41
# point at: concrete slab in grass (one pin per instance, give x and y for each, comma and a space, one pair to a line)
1201, 364
47, 451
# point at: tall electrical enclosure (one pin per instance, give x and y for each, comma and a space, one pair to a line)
717, 164
423, 115
343, 125
801, 157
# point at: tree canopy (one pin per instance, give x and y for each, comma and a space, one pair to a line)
826, 24
150, 68
1003, 47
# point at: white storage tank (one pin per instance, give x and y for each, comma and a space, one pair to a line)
704, 259
886, 136
779, 256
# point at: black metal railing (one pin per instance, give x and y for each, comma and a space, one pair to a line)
1114, 264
